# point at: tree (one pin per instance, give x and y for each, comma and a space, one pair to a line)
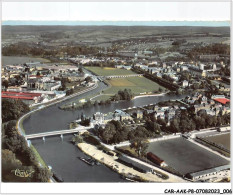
42, 174
13, 109
209, 120
116, 97
107, 136
123, 95
29, 156
160, 89
108, 132
184, 125
9, 164
9, 160
140, 146
69, 92
80, 70
77, 139
85, 122
117, 138
5, 84
125, 132
175, 125
88, 79
200, 122
153, 126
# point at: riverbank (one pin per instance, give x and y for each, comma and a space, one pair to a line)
19, 124
158, 94
44, 121
122, 169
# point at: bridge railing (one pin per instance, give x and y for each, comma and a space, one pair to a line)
60, 132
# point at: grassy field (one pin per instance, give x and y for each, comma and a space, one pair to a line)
109, 71
138, 85
101, 97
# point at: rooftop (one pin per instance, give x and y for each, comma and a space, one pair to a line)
208, 171
222, 100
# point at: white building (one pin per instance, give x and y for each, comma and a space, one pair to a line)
185, 83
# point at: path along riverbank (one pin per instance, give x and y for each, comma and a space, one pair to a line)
111, 162
158, 94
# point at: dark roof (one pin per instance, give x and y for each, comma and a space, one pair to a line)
134, 163
32, 80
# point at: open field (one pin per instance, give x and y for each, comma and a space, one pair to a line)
221, 140
101, 97
10, 60
184, 156
138, 85
109, 71
121, 82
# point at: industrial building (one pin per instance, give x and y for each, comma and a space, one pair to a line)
200, 174
27, 98
131, 163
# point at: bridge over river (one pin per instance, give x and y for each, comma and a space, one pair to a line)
60, 132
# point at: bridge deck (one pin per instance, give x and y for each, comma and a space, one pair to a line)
60, 132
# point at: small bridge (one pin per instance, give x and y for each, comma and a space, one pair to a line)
60, 132
119, 76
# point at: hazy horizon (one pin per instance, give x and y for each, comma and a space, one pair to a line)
118, 23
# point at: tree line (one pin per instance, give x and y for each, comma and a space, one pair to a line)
216, 48
162, 81
26, 49
15, 151
116, 132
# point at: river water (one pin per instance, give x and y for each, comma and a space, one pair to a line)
62, 154
53, 118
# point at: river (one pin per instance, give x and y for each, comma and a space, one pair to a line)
52, 118
62, 155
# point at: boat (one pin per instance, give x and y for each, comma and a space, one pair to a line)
57, 177
129, 179
89, 161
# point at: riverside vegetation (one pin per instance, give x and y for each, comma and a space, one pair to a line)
16, 154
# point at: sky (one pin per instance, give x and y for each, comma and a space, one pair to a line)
116, 11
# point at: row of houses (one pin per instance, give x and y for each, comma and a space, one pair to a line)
119, 115
212, 106
34, 77
45, 84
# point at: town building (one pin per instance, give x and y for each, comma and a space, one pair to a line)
205, 173
139, 114
27, 98
185, 83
